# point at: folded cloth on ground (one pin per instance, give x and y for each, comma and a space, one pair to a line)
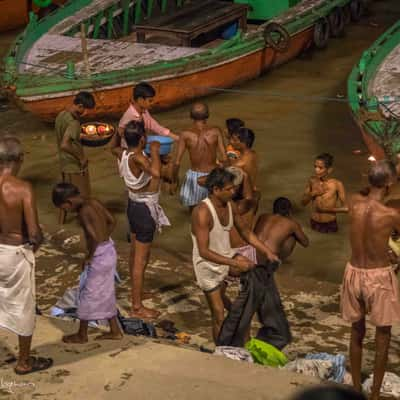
338, 364
136, 326
265, 353
17, 289
390, 385
234, 353
317, 368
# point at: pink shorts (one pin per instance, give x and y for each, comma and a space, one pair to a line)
370, 291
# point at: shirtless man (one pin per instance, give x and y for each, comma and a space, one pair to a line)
213, 256
245, 202
97, 299
369, 283
203, 142
20, 237
142, 177
242, 141
279, 231
323, 192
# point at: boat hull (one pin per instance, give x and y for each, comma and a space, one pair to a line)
14, 14
172, 91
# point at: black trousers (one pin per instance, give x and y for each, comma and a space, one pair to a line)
260, 294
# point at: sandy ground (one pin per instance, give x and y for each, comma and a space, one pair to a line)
141, 369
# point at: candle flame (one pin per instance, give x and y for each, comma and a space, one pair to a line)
371, 158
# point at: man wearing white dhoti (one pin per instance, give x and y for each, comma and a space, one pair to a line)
20, 236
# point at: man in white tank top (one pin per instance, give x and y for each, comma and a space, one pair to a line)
213, 256
142, 176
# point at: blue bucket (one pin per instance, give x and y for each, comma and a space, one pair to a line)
230, 31
166, 144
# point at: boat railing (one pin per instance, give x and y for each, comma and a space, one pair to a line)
361, 74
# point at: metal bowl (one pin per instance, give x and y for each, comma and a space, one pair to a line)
96, 140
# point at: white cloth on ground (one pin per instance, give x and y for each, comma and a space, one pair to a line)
17, 289
390, 385
151, 201
318, 368
234, 353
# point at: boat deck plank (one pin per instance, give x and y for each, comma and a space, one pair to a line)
386, 82
83, 14
51, 52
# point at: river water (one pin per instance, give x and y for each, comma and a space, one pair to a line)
289, 134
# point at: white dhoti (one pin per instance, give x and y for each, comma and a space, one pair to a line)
17, 289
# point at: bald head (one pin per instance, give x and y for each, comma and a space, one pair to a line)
381, 174
199, 112
10, 150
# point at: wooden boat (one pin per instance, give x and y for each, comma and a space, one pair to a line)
15, 13
46, 66
374, 95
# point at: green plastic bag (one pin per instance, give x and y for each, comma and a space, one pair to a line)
265, 354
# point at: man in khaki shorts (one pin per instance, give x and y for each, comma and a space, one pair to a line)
73, 161
370, 285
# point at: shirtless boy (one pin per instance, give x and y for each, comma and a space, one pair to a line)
370, 285
323, 192
242, 141
279, 231
20, 237
213, 256
97, 299
203, 142
142, 177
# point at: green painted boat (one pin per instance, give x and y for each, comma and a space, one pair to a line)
186, 49
374, 95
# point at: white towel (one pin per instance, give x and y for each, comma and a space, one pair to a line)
17, 289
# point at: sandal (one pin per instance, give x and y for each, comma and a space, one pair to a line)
38, 364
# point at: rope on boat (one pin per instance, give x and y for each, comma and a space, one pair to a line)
256, 93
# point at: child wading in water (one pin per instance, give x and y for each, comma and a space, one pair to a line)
323, 192
97, 296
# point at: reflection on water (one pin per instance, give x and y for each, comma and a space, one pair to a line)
290, 133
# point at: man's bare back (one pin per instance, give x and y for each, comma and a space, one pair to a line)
280, 234
97, 223
203, 146
18, 215
372, 223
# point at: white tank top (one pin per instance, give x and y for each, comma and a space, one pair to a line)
219, 240
131, 182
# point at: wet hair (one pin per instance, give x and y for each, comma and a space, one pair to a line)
199, 112
233, 125
380, 173
62, 192
133, 132
245, 136
218, 178
143, 90
329, 393
282, 206
326, 158
85, 99
10, 149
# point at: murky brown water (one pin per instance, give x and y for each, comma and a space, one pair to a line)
289, 135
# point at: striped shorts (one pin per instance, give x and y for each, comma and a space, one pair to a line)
191, 192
